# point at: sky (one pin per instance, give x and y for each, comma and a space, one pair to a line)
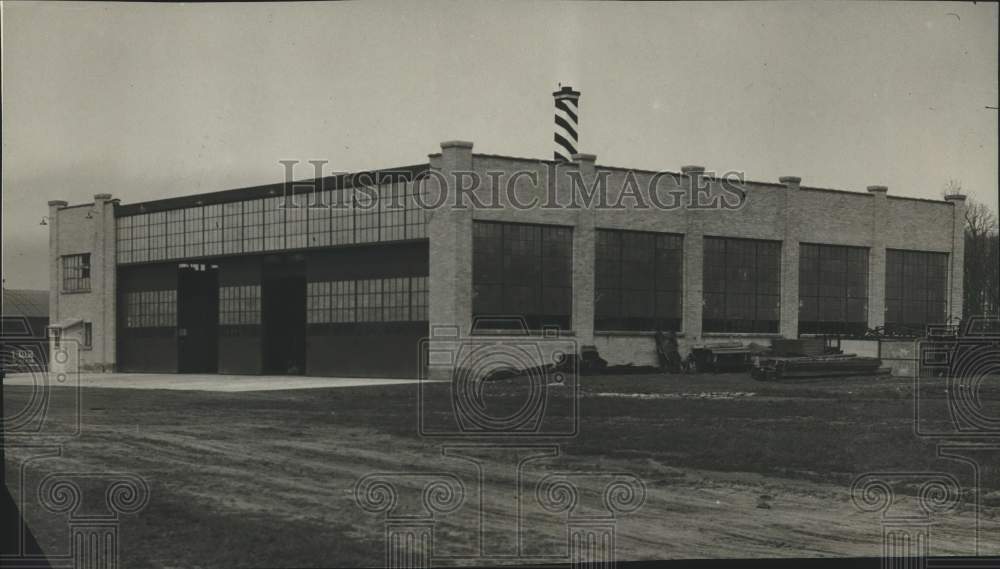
153, 100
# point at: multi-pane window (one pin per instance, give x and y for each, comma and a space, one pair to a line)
523, 271
342, 301
140, 238
151, 309
389, 299
396, 299
416, 219
239, 305
833, 289
915, 288
123, 230
637, 280
366, 215
213, 229
76, 273
318, 301
392, 213
742, 285
274, 223
296, 220
157, 236
320, 213
342, 216
194, 232
232, 228
386, 212
369, 300
175, 233
253, 226
418, 298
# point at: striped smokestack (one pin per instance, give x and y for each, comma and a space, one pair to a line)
567, 114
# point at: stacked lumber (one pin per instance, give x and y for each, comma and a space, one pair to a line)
777, 368
799, 347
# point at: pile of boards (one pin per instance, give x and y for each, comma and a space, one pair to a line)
776, 368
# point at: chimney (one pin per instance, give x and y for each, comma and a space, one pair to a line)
567, 121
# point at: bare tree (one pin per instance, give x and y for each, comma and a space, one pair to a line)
982, 256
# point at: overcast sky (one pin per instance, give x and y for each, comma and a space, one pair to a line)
155, 100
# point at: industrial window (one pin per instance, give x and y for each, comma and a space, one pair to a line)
396, 299
742, 285
389, 299
392, 212
523, 271
140, 238
320, 213
418, 298
274, 223
366, 215
239, 305
833, 289
318, 301
194, 232
157, 236
76, 273
123, 241
369, 300
253, 226
387, 212
175, 233
342, 216
915, 288
416, 219
88, 335
232, 228
297, 212
342, 301
637, 280
151, 309
213, 229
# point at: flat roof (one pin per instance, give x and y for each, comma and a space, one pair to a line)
402, 173
755, 182
337, 181
27, 303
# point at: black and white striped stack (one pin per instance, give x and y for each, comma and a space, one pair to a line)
567, 121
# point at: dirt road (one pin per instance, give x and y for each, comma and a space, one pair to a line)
269, 479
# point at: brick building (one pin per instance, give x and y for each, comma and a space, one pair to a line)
253, 281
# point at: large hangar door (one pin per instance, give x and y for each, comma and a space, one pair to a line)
147, 318
367, 311
240, 315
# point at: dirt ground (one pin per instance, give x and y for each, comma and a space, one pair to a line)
728, 467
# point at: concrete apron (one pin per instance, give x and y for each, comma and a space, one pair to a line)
196, 382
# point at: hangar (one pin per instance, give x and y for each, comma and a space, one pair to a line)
342, 275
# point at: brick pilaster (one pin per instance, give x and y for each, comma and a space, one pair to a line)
789, 312
956, 296
876, 258
694, 247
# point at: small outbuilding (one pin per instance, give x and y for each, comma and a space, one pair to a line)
25, 316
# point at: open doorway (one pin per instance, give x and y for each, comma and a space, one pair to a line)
197, 318
283, 306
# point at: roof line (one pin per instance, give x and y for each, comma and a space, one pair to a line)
336, 181
756, 182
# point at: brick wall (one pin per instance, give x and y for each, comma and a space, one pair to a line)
87, 228
785, 211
